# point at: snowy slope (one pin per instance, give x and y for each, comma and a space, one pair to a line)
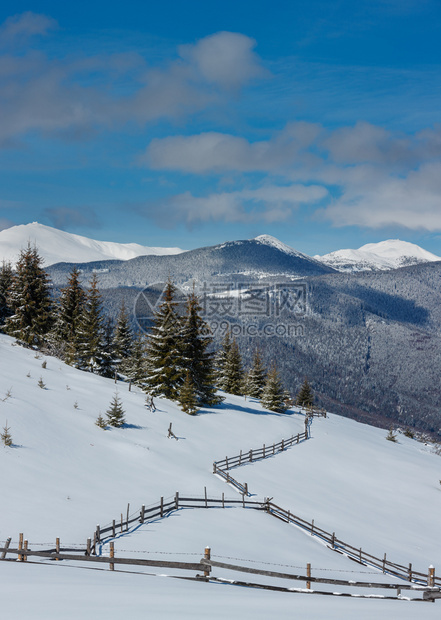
57, 246
385, 255
64, 475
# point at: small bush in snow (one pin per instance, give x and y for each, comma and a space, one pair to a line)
41, 383
6, 436
391, 436
100, 421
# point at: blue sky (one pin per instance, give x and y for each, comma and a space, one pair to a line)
191, 123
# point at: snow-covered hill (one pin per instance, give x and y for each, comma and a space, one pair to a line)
64, 475
385, 255
57, 246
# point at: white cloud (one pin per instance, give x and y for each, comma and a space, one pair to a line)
24, 25
225, 58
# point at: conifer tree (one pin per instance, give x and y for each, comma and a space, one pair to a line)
233, 371
164, 363
123, 338
135, 364
70, 306
89, 341
305, 397
6, 276
188, 397
219, 360
256, 376
115, 413
30, 300
107, 363
198, 361
6, 436
273, 395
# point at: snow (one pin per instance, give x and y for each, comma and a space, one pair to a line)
56, 246
384, 255
64, 475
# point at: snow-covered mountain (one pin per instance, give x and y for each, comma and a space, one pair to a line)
57, 246
390, 254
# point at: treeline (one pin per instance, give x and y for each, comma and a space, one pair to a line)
175, 360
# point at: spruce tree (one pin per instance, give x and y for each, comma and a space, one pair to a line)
6, 436
30, 300
164, 362
122, 339
115, 413
107, 363
135, 364
69, 309
188, 397
220, 359
198, 361
6, 276
233, 372
256, 376
89, 338
273, 395
305, 397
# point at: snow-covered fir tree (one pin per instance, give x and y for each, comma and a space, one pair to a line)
219, 360
30, 300
135, 364
64, 334
107, 364
122, 339
115, 413
273, 395
6, 275
89, 346
198, 361
232, 376
256, 376
164, 362
305, 397
188, 398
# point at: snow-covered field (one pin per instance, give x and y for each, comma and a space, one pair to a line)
64, 475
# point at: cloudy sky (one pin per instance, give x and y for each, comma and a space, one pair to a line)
191, 123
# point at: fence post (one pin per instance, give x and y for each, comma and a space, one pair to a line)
308, 574
121, 523
88, 545
130, 385
274, 448
360, 556
177, 500
57, 547
298, 437
283, 445
8, 542
226, 462
333, 540
240, 458
410, 572
289, 517
25, 546
113, 528
142, 513
431, 576
384, 564
214, 468
127, 521
246, 489
264, 451
243, 500
312, 527
20, 546
98, 538
111, 556
207, 556
162, 506
94, 544
223, 500
251, 456
205, 493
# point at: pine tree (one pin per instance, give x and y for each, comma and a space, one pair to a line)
115, 413
233, 372
107, 364
273, 395
256, 376
188, 396
122, 339
101, 422
391, 436
89, 340
198, 361
6, 436
135, 364
220, 359
164, 363
69, 309
30, 300
305, 397
6, 277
